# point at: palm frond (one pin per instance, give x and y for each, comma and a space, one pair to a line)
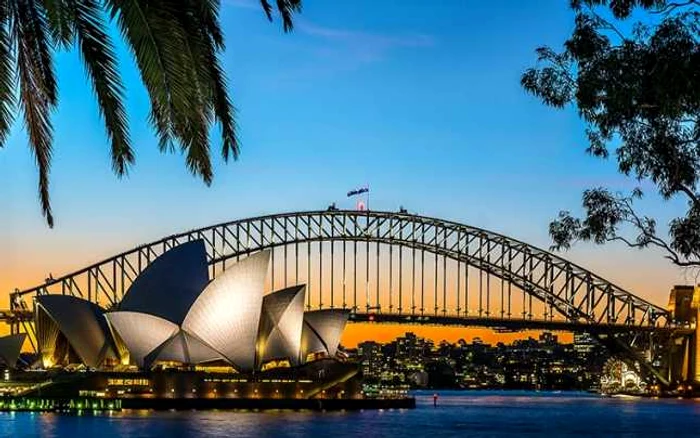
173, 73
208, 11
98, 56
37, 97
7, 75
286, 9
143, 31
267, 7
60, 20
195, 58
224, 112
176, 45
30, 17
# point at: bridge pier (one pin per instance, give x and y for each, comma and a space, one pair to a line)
684, 354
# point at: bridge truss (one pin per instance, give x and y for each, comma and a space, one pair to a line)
393, 265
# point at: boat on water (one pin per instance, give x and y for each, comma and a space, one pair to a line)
625, 396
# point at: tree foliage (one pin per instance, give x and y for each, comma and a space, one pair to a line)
632, 70
177, 46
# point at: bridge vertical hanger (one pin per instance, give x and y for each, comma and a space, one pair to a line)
391, 275
377, 304
466, 283
401, 249
422, 278
344, 272
413, 276
367, 263
510, 282
444, 286
354, 270
488, 278
459, 271
332, 271
308, 272
529, 304
435, 270
481, 278
296, 263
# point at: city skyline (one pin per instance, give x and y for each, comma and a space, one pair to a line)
435, 141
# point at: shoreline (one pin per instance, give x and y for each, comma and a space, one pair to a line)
30, 404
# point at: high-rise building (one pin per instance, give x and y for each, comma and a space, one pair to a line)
370, 353
548, 338
584, 344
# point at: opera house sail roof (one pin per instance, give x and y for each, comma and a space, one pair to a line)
173, 313
185, 348
170, 284
322, 331
281, 325
10, 347
227, 313
141, 332
67, 327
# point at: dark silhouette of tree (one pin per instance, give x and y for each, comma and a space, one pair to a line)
638, 91
176, 45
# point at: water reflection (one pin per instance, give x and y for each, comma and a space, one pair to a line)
488, 413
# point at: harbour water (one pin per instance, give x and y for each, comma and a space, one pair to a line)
472, 414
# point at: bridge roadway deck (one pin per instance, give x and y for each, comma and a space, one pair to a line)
496, 323
511, 324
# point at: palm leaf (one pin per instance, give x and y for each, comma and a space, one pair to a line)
224, 112
194, 132
37, 97
59, 15
286, 8
98, 56
7, 75
169, 40
176, 45
208, 14
141, 32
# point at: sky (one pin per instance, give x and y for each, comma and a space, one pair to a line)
419, 100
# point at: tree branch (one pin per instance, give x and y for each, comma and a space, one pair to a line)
670, 7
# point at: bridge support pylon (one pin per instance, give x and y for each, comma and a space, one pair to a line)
684, 308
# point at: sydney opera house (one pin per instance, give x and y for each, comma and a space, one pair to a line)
174, 316
181, 340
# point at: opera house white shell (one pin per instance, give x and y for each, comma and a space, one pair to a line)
281, 323
227, 314
142, 333
322, 331
173, 313
73, 330
10, 347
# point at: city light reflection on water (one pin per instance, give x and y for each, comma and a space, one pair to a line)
487, 413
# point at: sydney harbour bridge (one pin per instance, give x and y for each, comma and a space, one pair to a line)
397, 267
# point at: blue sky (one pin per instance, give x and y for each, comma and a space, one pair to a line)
420, 100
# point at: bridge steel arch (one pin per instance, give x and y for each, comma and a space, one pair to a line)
569, 295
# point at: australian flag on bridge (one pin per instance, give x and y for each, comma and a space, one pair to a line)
358, 191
